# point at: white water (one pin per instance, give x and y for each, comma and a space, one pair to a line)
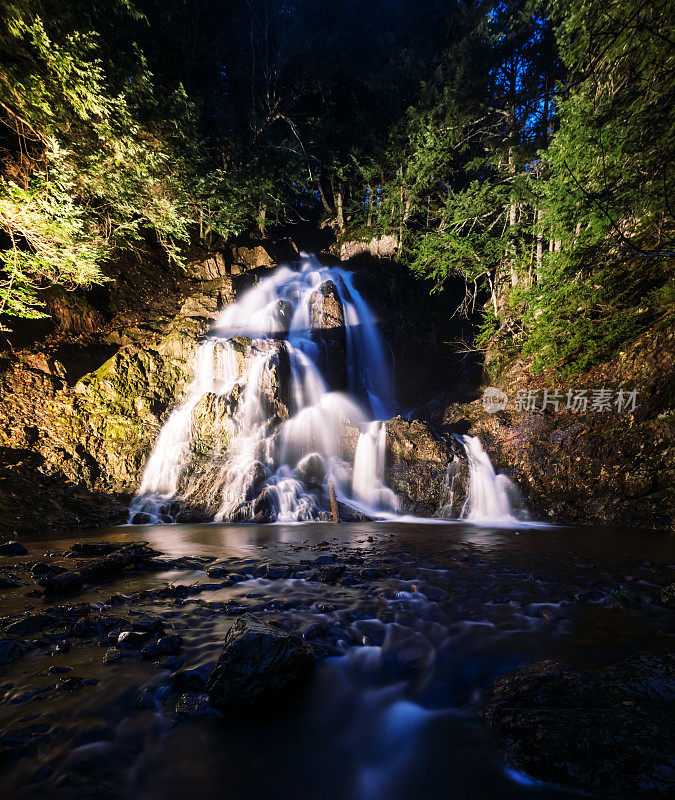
285, 457
277, 435
367, 486
488, 497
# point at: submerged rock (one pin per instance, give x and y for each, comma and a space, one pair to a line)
8, 581
12, 549
10, 650
259, 663
607, 731
668, 596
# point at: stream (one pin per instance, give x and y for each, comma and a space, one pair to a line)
411, 621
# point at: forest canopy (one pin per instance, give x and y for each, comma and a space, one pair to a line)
524, 146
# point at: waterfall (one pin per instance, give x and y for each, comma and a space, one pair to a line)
488, 496
287, 393
368, 478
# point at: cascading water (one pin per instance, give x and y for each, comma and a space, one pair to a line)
263, 430
488, 497
288, 398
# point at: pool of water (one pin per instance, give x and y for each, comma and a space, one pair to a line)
428, 616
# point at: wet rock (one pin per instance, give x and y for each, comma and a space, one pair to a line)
607, 731
40, 569
8, 581
275, 572
112, 564
370, 574
328, 331
348, 513
131, 640
416, 467
30, 623
311, 471
146, 623
95, 625
188, 680
190, 704
259, 663
90, 549
624, 598
275, 379
212, 425
10, 650
58, 669
12, 549
668, 596
164, 646
220, 570
284, 311
233, 610
112, 655
70, 684
171, 663
331, 573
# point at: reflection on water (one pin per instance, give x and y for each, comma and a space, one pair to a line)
420, 622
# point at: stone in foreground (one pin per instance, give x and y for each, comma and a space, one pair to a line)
607, 731
259, 664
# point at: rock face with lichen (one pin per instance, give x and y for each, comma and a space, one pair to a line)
80, 415
417, 469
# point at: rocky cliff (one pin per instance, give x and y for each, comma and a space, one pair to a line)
83, 398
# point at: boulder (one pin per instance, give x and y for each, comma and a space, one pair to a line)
275, 380
607, 731
311, 470
207, 268
417, 467
384, 246
12, 549
259, 664
253, 257
328, 331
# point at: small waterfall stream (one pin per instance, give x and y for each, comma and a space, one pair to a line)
290, 394
488, 497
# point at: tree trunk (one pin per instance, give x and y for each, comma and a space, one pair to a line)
540, 244
262, 213
371, 206
322, 196
513, 211
340, 211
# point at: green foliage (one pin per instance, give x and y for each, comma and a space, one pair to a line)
537, 167
487, 329
99, 156
56, 247
576, 321
525, 146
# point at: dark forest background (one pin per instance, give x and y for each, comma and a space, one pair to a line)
525, 146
